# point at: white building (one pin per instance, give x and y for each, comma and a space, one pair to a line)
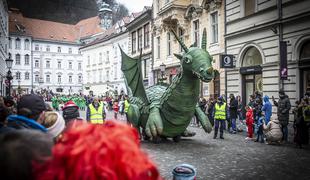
4, 34
254, 32
102, 60
46, 54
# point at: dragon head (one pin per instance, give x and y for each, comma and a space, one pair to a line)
197, 60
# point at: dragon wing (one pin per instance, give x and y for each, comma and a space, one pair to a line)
133, 76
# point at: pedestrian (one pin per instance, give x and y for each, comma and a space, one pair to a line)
251, 101
272, 131
284, 107
249, 122
259, 124
115, 108
70, 112
298, 124
54, 123
90, 152
306, 119
95, 113
210, 110
220, 117
267, 109
126, 107
29, 110
233, 113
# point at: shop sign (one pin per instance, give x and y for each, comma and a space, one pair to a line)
227, 61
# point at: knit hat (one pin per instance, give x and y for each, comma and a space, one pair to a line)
70, 112
32, 102
57, 127
70, 104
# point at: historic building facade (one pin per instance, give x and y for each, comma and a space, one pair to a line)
4, 34
254, 30
140, 41
187, 19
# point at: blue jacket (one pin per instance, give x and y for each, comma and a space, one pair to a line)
22, 122
267, 108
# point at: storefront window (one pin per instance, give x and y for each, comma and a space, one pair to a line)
305, 51
252, 57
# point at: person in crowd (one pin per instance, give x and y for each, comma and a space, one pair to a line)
54, 123
240, 108
210, 110
29, 110
4, 113
233, 113
298, 124
203, 104
249, 122
70, 112
260, 122
21, 150
115, 108
220, 117
126, 107
284, 107
272, 131
251, 101
267, 109
95, 112
113, 154
306, 118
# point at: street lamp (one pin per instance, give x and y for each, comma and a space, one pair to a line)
9, 77
162, 70
19, 89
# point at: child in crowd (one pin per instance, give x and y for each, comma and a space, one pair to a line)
115, 108
260, 122
249, 122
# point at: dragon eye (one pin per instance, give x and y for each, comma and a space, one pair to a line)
188, 59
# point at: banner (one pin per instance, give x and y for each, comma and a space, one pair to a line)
283, 60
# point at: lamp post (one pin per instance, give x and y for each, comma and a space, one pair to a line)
9, 77
19, 88
162, 70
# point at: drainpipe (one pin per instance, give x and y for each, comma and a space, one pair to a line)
280, 27
31, 55
225, 47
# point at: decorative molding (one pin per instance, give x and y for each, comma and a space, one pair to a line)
211, 5
193, 11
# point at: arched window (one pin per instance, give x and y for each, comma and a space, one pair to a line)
26, 59
26, 75
17, 43
17, 59
252, 57
27, 43
305, 51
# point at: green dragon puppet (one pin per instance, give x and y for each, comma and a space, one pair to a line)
166, 111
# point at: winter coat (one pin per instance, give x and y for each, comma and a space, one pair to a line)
267, 108
233, 108
273, 131
249, 117
284, 107
22, 122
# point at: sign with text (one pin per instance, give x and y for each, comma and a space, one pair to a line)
283, 60
227, 61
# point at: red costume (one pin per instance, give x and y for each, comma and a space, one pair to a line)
249, 122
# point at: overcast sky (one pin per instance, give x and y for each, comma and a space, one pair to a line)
136, 5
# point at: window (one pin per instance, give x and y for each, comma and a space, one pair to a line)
181, 36
80, 78
139, 39
305, 51
115, 51
59, 49
70, 65
70, 79
59, 79
26, 59
214, 27
27, 44
196, 32
108, 56
108, 75
36, 63
36, 78
36, 47
10, 43
17, 59
100, 57
26, 75
48, 49
59, 65
168, 44
249, 7
48, 78
48, 64
252, 57
100, 75
158, 47
17, 43
17, 75
133, 42
147, 35
88, 60
70, 50
79, 66
115, 72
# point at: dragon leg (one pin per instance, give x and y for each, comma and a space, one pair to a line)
133, 115
203, 119
154, 124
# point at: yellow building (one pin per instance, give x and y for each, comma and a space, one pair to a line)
188, 18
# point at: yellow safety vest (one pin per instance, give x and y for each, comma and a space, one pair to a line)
96, 116
220, 112
126, 104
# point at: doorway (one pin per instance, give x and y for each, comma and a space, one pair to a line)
252, 83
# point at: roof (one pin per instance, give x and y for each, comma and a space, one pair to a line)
49, 30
